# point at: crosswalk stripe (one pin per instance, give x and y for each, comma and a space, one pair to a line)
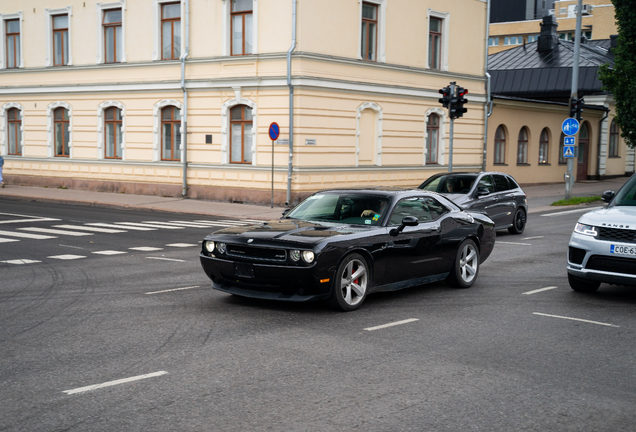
4, 240
146, 248
20, 261
26, 235
254, 220
135, 228
149, 225
55, 231
226, 225
177, 224
87, 228
194, 224
66, 257
108, 252
224, 222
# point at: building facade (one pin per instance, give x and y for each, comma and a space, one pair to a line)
149, 96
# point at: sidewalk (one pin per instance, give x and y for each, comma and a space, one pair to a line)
539, 199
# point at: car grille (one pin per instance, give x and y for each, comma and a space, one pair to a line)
576, 255
257, 253
612, 264
615, 234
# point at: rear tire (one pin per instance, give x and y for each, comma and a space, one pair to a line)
466, 265
582, 285
518, 222
351, 284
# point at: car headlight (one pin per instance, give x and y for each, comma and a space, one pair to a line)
209, 246
294, 255
586, 229
221, 247
308, 256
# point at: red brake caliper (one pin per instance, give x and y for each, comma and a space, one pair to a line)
357, 281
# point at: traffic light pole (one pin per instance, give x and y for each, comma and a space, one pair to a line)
450, 141
569, 180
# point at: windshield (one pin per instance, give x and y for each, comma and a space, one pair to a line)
451, 183
627, 195
349, 208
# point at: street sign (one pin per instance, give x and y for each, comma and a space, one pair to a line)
274, 131
570, 126
569, 141
568, 151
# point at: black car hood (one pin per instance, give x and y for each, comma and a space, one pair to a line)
291, 230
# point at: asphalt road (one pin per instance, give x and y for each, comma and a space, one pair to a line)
176, 355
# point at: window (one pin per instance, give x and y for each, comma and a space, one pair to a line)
486, 183
544, 146
242, 37
522, 146
493, 41
60, 40
500, 146
241, 135
369, 31
513, 40
501, 182
435, 43
14, 118
170, 133
423, 208
432, 139
61, 132
613, 140
113, 138
562, 160
13, 43
170, 31
112, 36
532, 38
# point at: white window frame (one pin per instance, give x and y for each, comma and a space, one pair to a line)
100, 8
381, 40
3, 38
4, 128
49, 14
50, 132
441, 145
379, 116
445, 17
156, 130
156, 35
495, 41
101, 136
225, 127
227, 28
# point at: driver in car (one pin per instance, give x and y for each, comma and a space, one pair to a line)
376, 209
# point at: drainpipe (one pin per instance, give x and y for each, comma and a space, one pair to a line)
598, 146
488, 106
184, 129
291, 104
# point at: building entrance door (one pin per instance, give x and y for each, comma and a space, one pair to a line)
584, 144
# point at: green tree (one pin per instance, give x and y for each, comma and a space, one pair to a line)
621, 79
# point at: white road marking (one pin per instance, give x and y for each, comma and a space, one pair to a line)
392, 324
572, 211
4, 240
29, 218
142, 225
174, 289
540, 290
55, 231
513, 243
26, 235
146, 248
576, 319
532, 238
136, 228
182, 245
66, 257
254, 220
21, 261
193, 224
72, 247
223, 222
109, 252
87, 228
165, 259
166, 225
112, 383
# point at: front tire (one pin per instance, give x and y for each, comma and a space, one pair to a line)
352, 282
582, 285
518, 222
466, 265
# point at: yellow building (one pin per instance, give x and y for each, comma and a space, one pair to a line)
163, 97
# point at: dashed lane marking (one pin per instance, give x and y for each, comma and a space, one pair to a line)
4, 240
540, 290
532, 238
579, 210
146, 248
514, 243
109, 252
173, 289
20, 261
56, 231
66, 257
87, 228
135, 228
180, 245
112, 383
575, 319
165, 259
141, 225
392, 324
26, 235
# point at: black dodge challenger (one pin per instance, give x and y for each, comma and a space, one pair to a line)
344, 244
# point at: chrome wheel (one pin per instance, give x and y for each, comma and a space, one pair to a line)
468, 263
353, 282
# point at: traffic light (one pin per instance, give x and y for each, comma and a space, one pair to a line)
459, 104
446, 96
576, 108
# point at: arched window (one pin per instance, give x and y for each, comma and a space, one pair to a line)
613, 140
170, 133
544, 146
522, 146
432, 139
500, 145
562, 159
61, 132
14, 117
241, 135
112, 126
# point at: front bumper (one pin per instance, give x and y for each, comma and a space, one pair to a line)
597, 263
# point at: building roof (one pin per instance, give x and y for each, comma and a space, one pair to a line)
526, 72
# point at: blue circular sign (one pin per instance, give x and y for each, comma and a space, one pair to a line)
570, 126
274, 131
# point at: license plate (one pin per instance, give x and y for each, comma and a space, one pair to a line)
245, 270
623, 250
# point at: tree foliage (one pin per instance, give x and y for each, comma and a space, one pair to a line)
621, 79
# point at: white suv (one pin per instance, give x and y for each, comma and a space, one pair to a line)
603, 244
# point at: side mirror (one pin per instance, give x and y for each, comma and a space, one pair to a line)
482, 191
608, 195
286, 211
407, 221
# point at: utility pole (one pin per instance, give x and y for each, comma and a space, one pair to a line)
574, 94
452, 121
